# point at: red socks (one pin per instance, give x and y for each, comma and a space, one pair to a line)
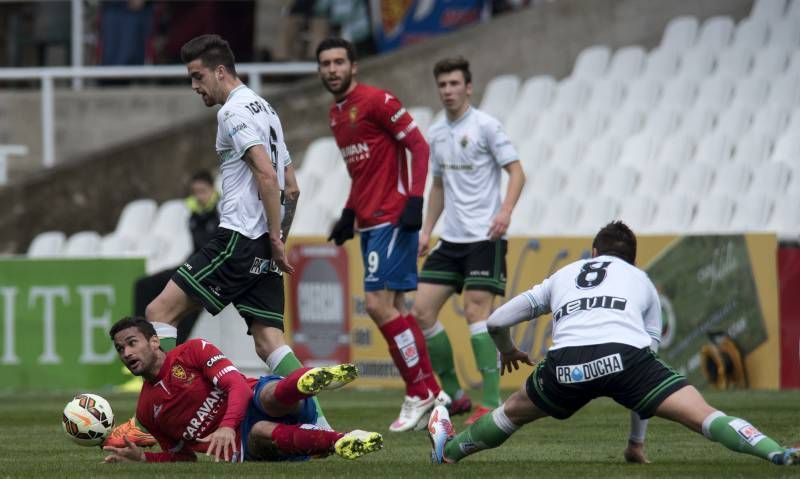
410, 354
286, 390
294, 440
425, 359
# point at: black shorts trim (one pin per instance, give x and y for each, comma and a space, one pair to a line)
479, 266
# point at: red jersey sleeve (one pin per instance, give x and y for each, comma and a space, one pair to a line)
390, 114
218, 369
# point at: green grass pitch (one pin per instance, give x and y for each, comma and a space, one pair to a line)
589, 444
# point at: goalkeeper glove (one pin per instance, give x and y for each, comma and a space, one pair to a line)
411, 217
343, 229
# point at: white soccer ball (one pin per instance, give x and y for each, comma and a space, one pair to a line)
88, 419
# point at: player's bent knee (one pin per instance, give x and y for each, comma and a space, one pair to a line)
521, 410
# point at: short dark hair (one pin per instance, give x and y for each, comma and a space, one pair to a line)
138, 322
204, 176
448, 65
212, 50
616, 239
330, 43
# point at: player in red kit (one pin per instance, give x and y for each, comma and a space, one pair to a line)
195, 400
373, 131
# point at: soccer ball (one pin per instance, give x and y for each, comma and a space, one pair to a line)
88, 419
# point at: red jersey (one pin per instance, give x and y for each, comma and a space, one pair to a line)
373, 130
196, 391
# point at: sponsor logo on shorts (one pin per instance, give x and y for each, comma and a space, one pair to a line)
747, 431
408, 347
262, 266
579, 373
479, 272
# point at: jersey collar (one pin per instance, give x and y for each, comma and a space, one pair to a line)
233, 92
458, 120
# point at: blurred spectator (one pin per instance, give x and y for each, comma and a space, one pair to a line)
203, 222
52, 33
125, 29
351, 20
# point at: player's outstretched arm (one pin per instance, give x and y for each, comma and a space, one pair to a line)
516, 181
267, 179
130, 453
435, 208
221, 443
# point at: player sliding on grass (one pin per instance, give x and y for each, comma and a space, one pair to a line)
195, 400
600, 348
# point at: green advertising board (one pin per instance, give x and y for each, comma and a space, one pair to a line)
54, 321
707, 288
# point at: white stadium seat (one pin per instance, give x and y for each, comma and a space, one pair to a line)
592, 62
627, 63
753, 148
662, 63
793, 11
581, 180
112, 245
674, 214
663, 121
750, 33
534, 153
716, 91
794, 64
680, 93
500, 96
770, 62
658, 180
560, 216
545, 181
734, 121
772, 120
568, 153
597, 213
607, 94
695, 178
732, 179
625, 123
773, 178
603, 151
785, 91
736, 62
588, 125
751, 91
714, 214
82, 244
619, 180
48, 244
676, 150
680, 33
644, 93
787, 147
716, 32
573, 94
135, 220
638, 211
753, 212
698, 121
785, 33
714, 149
528, 213
552, 125
536, 95
640, 150
697, 62
785, 219
768, 9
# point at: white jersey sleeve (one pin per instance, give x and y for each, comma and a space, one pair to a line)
241, 131
503, 151
652, 316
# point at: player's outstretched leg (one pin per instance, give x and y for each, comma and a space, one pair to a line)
357, 443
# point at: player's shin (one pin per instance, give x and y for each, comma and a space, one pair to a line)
488, 432
405, 353
739, 435
303, 440
487, 361
424, 357
441, 355
282, 362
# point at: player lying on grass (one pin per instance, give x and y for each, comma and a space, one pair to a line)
600, 348
195, 400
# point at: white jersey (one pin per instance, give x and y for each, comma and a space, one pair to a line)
468, 155
599, 300
246, 120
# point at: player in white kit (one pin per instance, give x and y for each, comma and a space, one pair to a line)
243, 264
604, 312
469, 148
